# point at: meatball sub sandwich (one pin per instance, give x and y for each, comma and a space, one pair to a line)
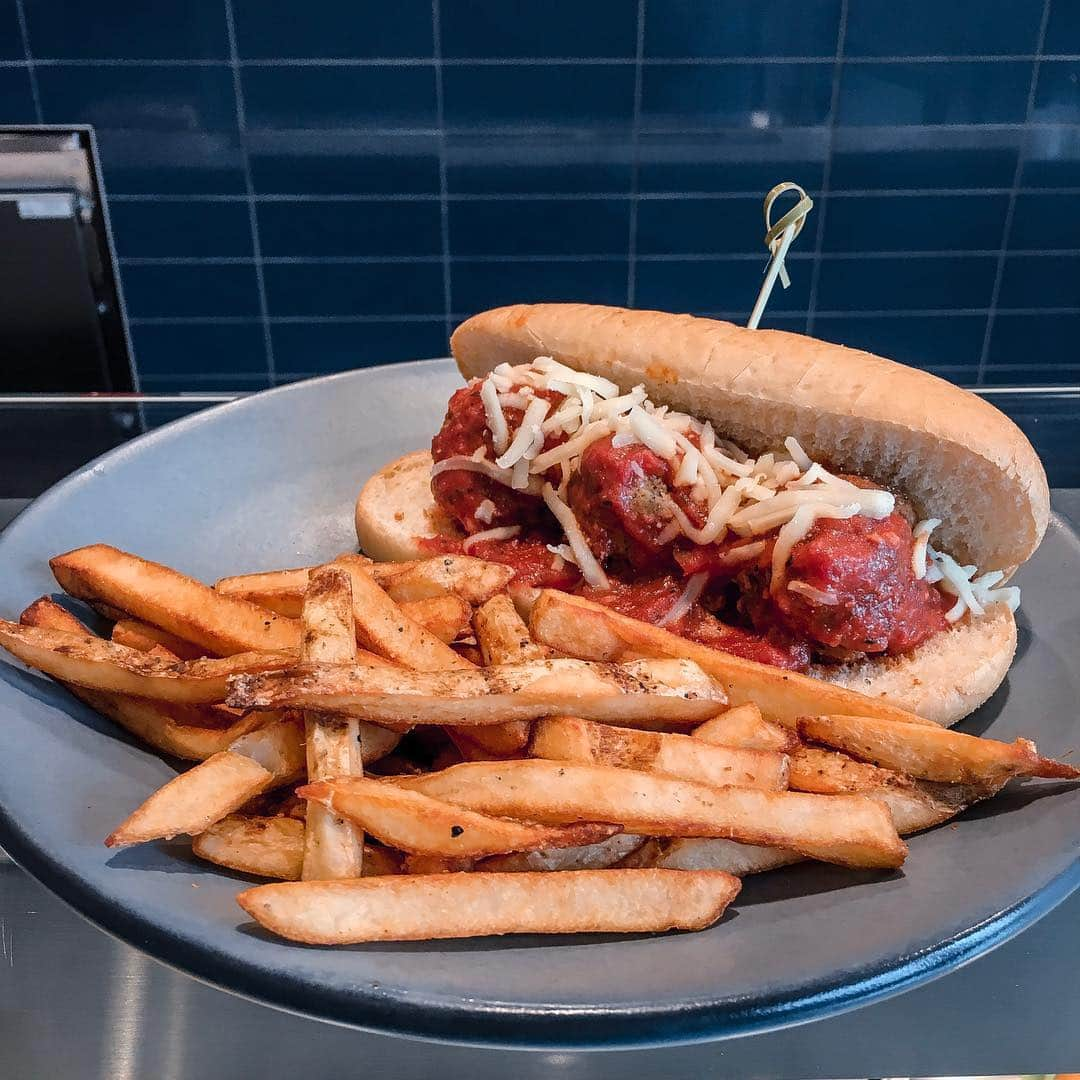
797, 503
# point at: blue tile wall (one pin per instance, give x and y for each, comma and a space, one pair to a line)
299, 188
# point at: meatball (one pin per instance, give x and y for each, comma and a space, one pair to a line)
861, 594
620, 496
460, 492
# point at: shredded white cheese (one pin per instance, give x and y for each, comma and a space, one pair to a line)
591, 570
783, 489
485, 512
687, 600
507, 532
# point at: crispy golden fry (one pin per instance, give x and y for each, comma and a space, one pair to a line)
504, 638
416, 823
744, 727
934, 753
332, 848
422, 907
156, 594
643, 690
191, 802
914, 805
102, 665
568, 738
194, 800
502, 634
144, 637
474, 580
846, 829
588, 630
385, 629
271, 847
589, 857
447, 616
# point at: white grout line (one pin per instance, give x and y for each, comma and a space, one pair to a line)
31, 63
444, 184
635, 163
826, 174
249, 186
1010, 212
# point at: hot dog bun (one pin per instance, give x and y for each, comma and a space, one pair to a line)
943, 680
950, 452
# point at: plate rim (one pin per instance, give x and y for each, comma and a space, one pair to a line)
491, 1024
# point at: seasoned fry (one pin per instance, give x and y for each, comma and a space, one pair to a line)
271, 847
446, 617
745, 728
143, 636
568, 738
934, 753
422, 907
332, 848
591, 631
846, 829
727, 855
502, 634
194, 800
589, 857
416, 823
191, 802
504, 638
826, 772
164, 597
474, 580
385, 629
673, 689
102, 665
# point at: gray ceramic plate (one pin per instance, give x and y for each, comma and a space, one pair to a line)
269, 482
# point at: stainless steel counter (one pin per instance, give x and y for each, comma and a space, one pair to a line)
74, 1003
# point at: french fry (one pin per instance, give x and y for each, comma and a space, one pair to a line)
191, 802
416, 823
383, 628
913, 804
745, 728
423, 907
446, 617
845, 829
472, 580
568, 738
597, 856
96, 664
162, 596
143, 636
504, 638
933, 754
332, 848
647, 689
194, 800
581, 628
271, 847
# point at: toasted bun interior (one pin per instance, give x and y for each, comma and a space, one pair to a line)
953, 454
943, 680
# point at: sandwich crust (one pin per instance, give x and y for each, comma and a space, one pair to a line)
950, 452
